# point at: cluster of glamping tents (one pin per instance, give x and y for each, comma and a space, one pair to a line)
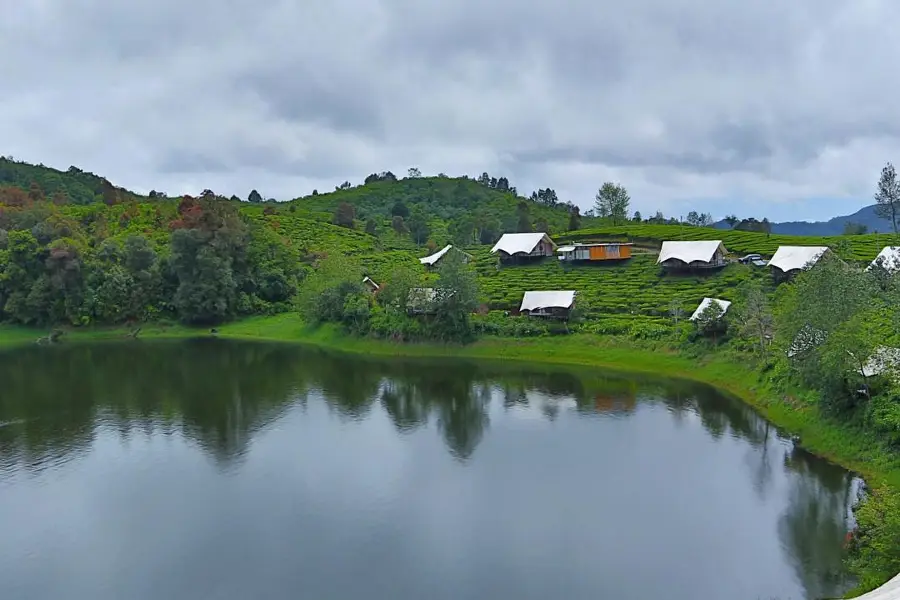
674, 256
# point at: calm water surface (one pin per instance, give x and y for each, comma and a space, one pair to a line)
233, 471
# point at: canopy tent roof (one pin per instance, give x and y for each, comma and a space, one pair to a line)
882, 360
371, 282
539, 300
889, 258
790, 258
723, 304
688, 252
432, 259
806, 339
520, 243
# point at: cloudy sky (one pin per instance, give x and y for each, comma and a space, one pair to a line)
778, 109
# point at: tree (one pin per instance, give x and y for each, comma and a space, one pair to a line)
523, 218
334, 293
234, 198
254, 197
732, 220
887, 197
455, 298
574, 218
414, 172
398, 225
637, 217
399, 210
418, 226
754, 317
705, 220
612, 202
541, 225
371, 226
395, 289
851, 228
676, 309
693, 218
462, 231
547, 197
711, 320
344, 215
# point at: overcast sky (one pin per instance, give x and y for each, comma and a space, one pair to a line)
778, 109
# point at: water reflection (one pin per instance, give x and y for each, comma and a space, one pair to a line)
221, 395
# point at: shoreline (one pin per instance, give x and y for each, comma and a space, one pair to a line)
839, 443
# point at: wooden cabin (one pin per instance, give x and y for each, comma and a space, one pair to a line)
790, 260
599, 252
515, 247
552, 304
692, 256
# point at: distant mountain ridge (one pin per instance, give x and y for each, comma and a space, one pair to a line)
864, 216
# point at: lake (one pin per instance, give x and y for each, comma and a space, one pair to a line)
212, 469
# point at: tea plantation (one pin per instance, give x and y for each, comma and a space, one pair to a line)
859, 247
635, 290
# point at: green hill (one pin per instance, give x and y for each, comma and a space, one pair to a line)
73, 186
82, 211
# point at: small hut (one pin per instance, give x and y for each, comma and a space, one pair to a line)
553, 304
514, 247
599, 252
690, 256
723, 304
790, 260
371, 285
888, 259
433, 259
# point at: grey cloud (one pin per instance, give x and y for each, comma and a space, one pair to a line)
724, 97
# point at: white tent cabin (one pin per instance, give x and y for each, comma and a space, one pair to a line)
683, 256
888, 259
884, 361
518, 246
556, 304
789, 260
723, 304
433, 259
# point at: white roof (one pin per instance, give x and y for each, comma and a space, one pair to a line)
723, 304
789, 258
538, 300
430, 260
370, 280
689, 252
883, 359
806, 339
889, 257
515, 243
566, 249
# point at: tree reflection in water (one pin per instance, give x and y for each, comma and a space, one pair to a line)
219, 394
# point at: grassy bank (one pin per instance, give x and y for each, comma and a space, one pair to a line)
840, 443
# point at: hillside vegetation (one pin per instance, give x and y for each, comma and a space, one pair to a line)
76, 251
